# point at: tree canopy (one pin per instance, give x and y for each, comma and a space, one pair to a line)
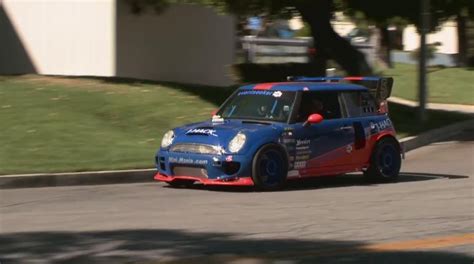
381, 12
318, 13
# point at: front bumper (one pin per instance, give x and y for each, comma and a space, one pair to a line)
237, 181
207, 169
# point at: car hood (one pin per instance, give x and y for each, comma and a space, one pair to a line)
220, 133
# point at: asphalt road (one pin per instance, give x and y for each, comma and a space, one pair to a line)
427, 217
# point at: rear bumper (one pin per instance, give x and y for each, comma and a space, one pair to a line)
237, 181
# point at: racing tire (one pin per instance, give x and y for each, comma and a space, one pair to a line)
269, 168
385, 161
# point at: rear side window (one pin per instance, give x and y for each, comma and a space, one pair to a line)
323, 103
358, 104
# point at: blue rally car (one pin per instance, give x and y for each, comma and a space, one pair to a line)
267, 133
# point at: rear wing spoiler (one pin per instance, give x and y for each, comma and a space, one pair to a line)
379, 87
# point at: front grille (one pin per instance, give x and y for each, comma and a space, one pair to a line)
196, 148
189, 171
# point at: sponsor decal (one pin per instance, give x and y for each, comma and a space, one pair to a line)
379, 126
349, 148
182, 160
384, 124
293, 173
303, 152
202, 131
302, 147
300, 164
255, 92
302, 158
302, 142
277, 94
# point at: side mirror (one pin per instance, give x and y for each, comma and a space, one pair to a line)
313, 119
214, 112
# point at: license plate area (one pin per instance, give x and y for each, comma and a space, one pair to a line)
194, 171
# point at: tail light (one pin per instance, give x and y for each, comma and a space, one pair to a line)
383, 107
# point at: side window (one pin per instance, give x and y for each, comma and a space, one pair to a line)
352, 104
359, 104
323, 103
368, 104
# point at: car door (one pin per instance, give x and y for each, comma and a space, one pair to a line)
321, 149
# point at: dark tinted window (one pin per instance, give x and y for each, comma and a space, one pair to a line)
323, 103
359, 104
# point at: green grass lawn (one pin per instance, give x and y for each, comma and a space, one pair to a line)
53, 124
445, 85
63, 124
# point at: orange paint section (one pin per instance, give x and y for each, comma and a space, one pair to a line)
437, 242
264, 86
267, 86
428, 243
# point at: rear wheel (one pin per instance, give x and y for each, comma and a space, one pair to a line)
385, 162
269, 168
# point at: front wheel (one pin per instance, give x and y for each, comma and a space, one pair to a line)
385, 162
269, 168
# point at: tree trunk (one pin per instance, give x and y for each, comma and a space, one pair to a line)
385, 45
327, 42
462, 40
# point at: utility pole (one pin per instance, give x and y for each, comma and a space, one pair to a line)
422, 82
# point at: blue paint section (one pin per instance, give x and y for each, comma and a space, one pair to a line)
219, 135
319, 139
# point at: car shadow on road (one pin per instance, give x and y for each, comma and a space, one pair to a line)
179, 246
348, 180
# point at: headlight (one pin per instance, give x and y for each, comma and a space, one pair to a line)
167, 139
237, 142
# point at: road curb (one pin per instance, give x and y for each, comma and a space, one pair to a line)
426, 138
76, 178
146, 175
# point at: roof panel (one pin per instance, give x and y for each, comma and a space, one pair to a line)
305, 86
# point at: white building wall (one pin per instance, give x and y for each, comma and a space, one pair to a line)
447, 36
342, 27
65, 37
185, 43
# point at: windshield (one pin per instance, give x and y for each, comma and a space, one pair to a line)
259, 105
